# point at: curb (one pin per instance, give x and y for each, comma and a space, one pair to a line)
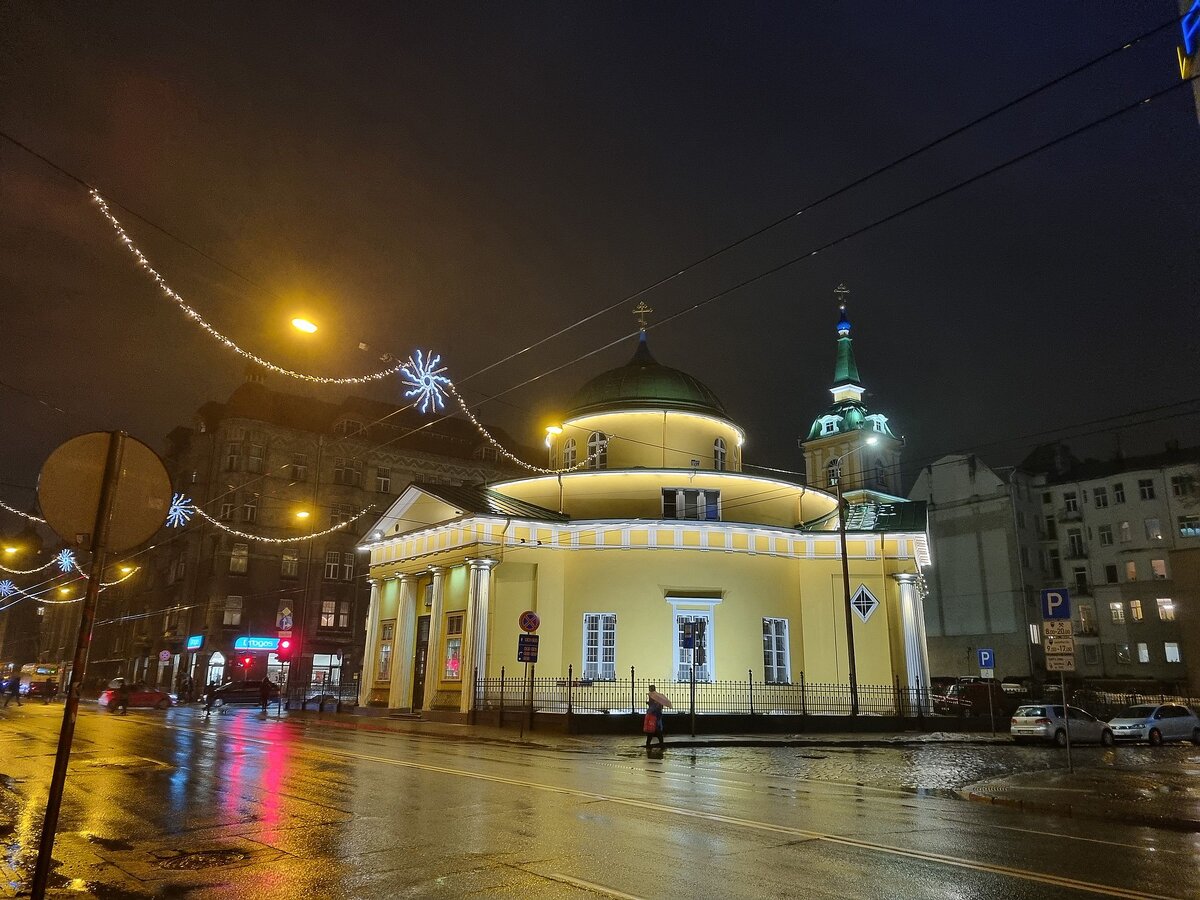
1170, 823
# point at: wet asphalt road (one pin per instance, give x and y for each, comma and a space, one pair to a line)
171, 805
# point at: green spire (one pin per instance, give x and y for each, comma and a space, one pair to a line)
845, 371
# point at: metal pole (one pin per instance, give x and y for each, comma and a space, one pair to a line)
502, 696
1067, 719
693, 688
992, 708
846, 589
632, 693
524, 683
532, 670
750, 675
108, 490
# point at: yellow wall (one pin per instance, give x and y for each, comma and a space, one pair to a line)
654, 439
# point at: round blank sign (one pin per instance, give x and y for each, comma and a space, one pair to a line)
69, 492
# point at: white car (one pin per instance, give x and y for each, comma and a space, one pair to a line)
1156, 723
1045, 722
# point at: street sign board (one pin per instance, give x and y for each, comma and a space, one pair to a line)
250, 642
527, 648
987, 658
164, 655
1060, 663
1056, 603
529, 621
283, 618
1057, 628
1059, 646
195, 641
987, 673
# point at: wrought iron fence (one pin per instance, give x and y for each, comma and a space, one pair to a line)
588, 696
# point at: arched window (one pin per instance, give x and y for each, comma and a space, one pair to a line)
216, 668
880, 474
569, 454
831, 472
597, 450
719, 454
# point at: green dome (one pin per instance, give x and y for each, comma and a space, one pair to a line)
643, 383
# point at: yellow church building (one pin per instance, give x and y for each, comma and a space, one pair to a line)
653, 548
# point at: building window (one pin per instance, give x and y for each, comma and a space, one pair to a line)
289, 566
1143, 651
1183, 485
829, 425
347, 566
227, 511
328, 613
1166, 609
1119, 492
299, 467
1131, 571
880, 474
1153, 529
597, 448
347, 471
1075, 543
1110, 574
1055, 563
1070, 501
832, 471
1123, 653
1135, 610
700, 632
719, 454
250, 509
233, 611
1125, 533
340, 513
333, 564
691, 503
233, 457
1158, 569
1171, 651
1051, 528
383, 667
178, 568
1087, 619
344, 614
776, 664
452, 658
600, 646
1100, 495
254, 458
1117, 612
1106, 535
1035, 634
1091, 654
1146, 488
383, 480
239, 559
1189, 526
1079, 576
569, 454
1047, 498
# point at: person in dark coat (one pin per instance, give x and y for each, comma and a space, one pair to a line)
123, 692
210, 697
655, 704
264, 693
13, 689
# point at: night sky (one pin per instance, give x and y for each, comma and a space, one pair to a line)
470, 178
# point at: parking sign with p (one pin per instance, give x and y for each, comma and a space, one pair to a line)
1056, 603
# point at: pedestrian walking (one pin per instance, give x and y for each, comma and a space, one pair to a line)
123, 698
210, 697
653, 723
13, 690
51, 689
264, 693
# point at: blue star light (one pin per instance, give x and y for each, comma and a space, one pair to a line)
65, 560
180, 512
7, 588
424, 379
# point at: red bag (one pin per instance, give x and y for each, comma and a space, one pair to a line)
650, 725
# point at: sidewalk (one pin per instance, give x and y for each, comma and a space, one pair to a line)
1157, 798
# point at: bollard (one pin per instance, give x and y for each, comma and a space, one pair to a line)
803, 703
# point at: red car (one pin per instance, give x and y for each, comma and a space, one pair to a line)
139, 695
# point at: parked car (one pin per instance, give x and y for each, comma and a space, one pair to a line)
238, 693
970, 698
1044, 722
1156, 723
140, 695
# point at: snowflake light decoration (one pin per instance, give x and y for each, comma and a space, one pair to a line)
424, 378
65, 560
180, 512
7, 588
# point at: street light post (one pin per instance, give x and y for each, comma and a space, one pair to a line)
853, 668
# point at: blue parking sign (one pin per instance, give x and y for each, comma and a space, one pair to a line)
987, 659
1056, 603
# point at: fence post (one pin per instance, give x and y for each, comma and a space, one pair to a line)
502, 696
803, 701
632, 694
750, 675
570, 698
899, 703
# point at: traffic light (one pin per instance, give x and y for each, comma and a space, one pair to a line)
246, 660
284, 651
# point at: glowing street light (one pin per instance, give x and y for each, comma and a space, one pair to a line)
125, 570
64, 591
302, 324
302, 514
11, 549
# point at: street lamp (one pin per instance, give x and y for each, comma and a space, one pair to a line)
836, 463
302, 324
552, 431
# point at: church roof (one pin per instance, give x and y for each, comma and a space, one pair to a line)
479, 500
643, 382
849, 413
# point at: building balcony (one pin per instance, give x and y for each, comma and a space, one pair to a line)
1069, 515
1077, 553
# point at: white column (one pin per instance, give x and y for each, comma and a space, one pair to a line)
912, 617
371, 649
404, 642
475, 627
433, 659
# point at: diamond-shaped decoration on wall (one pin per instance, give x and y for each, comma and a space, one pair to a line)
864, 602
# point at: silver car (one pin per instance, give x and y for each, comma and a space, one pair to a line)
1156, 723
1044, 722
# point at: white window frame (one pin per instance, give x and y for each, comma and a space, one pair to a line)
600, 646
1165, 607
239, 553
383, 479
250, 509
570, 454
720, 456
1171, 652
703, 496
347, 566
231, 613
333, 564
772, 674
597, 447
693, 607
292, 570
327, 614
1146, 489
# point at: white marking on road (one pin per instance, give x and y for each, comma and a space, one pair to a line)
588, 886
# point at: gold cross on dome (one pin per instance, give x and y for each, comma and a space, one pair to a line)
641, 311
842, 293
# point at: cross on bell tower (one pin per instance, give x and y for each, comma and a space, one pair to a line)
641, 311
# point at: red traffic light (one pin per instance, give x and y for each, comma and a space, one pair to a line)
246, 660
284, 651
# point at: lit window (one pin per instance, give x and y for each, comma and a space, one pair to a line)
1171, 651
1143, 651
776, 664
832, 471
597, 448
600, 646
383, 668
233, 611
239, 559
719, 454
328, 613
1131, 571
1146, 488
1135, 610
333, 564
1087, 619
697, 627
1117, 612
691, 503
348, 566
344, 614
1166, 609
289, 566
1158, 568
569, 454
1035, 633
452, 659
1189, 526
1125, 533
